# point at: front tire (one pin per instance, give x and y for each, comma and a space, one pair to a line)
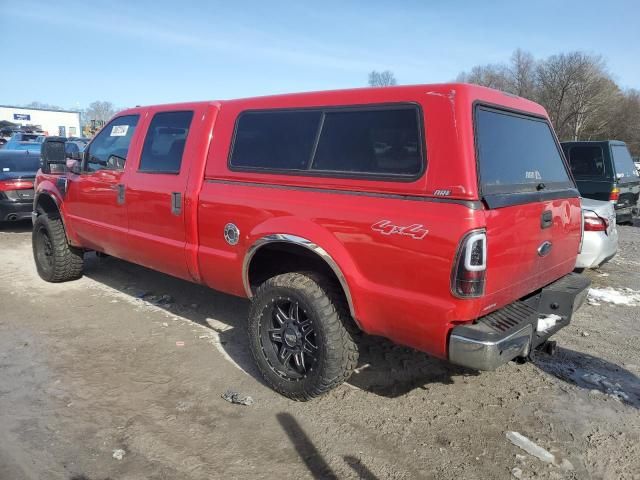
56, 260
298, 337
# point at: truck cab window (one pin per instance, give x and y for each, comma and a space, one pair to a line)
108, 151
165, 141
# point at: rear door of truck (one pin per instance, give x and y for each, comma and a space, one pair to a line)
532, 208
155, 191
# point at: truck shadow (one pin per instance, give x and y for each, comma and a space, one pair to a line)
391, 370
20, 226
592, 373
384, 368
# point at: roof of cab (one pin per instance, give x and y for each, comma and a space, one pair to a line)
368, 95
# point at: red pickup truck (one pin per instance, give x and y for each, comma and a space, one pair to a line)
443, 217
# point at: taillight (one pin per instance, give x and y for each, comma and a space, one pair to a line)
594, 223
468, 276
614, 196
9, 185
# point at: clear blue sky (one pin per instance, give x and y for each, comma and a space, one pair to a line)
142, 52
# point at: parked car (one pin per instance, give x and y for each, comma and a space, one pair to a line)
17, 174
600, 241
24, 141
292, 201
604, 171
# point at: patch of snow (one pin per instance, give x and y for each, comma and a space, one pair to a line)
626, 297
118, 454
614, 390
530, 447
537, 451
547, 322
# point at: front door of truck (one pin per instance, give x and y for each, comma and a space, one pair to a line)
95, 199
155, 192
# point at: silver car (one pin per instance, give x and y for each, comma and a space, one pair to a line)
600, 242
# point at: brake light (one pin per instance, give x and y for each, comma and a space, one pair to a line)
9, 185
594, 223
614, 196
468, 276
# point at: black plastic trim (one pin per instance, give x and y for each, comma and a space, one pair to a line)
500, 200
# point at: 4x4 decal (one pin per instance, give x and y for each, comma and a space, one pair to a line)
415, 231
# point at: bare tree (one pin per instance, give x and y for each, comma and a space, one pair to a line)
492, 76
382, 79
42, 105
624, 121
517, 77
100, 111
575, 88
521, 74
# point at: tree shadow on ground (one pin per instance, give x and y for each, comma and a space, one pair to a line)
384, 368
312, 458
309, 454
592, 373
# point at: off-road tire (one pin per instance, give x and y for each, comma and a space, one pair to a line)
329, 314
56, 261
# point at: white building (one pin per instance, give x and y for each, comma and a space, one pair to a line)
65, 123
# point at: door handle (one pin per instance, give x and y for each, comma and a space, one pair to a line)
120, 193
176, 203
547, 219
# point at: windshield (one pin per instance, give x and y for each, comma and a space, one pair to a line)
625, 170
517, 153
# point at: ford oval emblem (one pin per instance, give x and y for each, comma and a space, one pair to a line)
544, 249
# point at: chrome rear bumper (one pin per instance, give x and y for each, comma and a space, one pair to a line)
511, 331
489, 354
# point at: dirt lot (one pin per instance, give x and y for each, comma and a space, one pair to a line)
89, 368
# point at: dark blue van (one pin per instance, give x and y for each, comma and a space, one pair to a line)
605, 171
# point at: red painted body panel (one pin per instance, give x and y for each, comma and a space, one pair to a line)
399, 284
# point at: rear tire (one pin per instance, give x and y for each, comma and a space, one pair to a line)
298, 337
56, 260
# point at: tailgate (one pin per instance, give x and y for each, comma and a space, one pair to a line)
530, 246
533, 215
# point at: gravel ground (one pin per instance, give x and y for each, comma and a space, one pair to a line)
104, 378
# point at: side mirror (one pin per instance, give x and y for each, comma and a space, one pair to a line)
53, 155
